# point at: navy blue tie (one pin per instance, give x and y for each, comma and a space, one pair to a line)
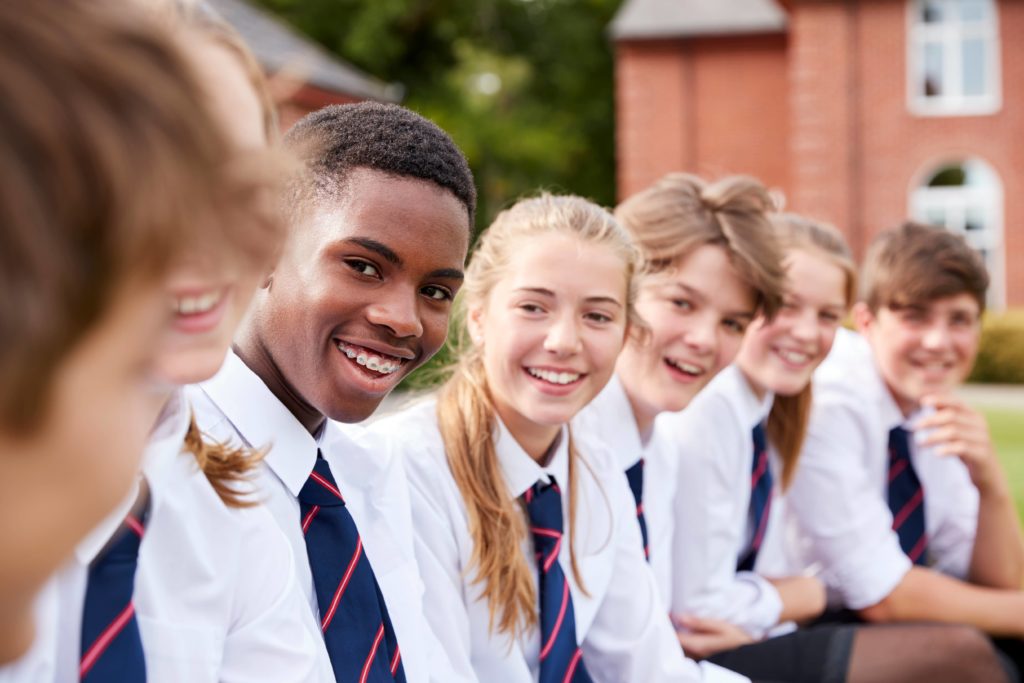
906, 497
353, 617
635, 477
561, 660
111, 645
761, 490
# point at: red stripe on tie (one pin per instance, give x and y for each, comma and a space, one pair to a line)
759, 536
909, 507
639, 509
105, 639
558, 622
135, 525
529, 495
551, 533
572, 665
343, 585
373, 653
554, 554
762, 467
326, 484
309, 518
647, 552
916, 551
396, 660
896, 469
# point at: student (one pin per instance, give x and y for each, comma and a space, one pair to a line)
523, 527
100, 194
360, 297
899, 491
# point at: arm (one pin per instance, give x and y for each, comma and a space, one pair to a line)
803, 597
925, 595
954, 429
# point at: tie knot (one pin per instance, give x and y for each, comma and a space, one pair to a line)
760, 438
544, 506
899, 443
321, 488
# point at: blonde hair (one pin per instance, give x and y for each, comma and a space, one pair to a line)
787, 422
682, 212
466, 414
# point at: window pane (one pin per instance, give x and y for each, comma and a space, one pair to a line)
931, 11
933, 71
973, 10
974, 66
975, 219
935, 216
950, 176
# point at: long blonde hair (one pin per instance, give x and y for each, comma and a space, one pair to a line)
787, 422
466, 414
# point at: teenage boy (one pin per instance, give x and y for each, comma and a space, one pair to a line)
360, 298
906, 506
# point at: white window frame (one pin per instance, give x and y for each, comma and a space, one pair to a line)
952, 34
954, 203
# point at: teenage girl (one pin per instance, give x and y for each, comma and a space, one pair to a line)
736, 450
523, 526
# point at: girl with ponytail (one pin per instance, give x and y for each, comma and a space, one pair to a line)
524, 529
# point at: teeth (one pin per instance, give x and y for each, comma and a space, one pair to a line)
554, 377
190, 305
794, 356
688, 368
370, 360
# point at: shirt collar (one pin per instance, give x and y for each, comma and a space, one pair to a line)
263, 421
625, 438
753, 410
520, 470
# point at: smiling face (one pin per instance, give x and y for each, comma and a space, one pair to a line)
697, 312
923, 349
781, 355
211, 287
550, 330
360, 298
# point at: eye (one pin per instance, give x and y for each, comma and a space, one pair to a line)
829, 316
734, 326
683, 304
598, 317
789, 305
530, 308
363, 267
437, 293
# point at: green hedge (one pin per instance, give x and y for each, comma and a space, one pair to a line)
1001, 355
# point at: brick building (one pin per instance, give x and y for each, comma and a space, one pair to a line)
860, 112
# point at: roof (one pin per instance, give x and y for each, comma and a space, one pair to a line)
277, 45
646, 19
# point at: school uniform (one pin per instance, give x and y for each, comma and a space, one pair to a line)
841, 490
236, 406
711, 466
623, 632
214, 596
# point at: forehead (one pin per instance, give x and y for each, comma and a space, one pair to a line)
815, 277
708, 272
956, 304
568, 266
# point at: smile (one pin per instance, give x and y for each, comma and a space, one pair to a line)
685, 368
560, 378
196, 304
381, 363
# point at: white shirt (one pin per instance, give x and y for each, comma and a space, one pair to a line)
622, 627
711, 459
215, 593
236, 406
840, 492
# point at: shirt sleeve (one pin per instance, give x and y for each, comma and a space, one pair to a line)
840, 508
631, 638
952, 500
710, 511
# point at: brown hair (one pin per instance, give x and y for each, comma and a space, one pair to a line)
915, 264
682, 212
466, 414
787, 422
110, 172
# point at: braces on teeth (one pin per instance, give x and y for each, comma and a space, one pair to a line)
372, 362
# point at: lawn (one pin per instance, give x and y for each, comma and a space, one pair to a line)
1007, 427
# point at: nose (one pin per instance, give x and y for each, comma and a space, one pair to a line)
398, 312
805, 326
702, 333
563, 337
937, 336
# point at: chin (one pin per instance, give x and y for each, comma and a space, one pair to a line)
352, 414
191, 368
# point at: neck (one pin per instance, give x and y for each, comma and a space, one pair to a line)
537, 440
759, 390
258, 358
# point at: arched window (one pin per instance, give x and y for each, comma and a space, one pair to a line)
966, 197
953, 57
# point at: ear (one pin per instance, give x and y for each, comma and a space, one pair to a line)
862, 316
475, 324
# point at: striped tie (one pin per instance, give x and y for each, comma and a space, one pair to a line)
761, 490
635, 477
111, 645
906, 498
560, 657
353, 617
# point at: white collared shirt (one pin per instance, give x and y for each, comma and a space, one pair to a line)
840, 492
236, 406
709, 449
214, 588
622, 627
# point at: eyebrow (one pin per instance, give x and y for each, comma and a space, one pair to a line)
379, 248
449, 273
699, 295
590, 299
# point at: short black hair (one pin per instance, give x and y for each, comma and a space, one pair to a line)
385, 137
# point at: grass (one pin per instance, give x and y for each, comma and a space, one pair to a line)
1007, 427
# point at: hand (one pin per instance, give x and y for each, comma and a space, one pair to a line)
701, 637
956, 429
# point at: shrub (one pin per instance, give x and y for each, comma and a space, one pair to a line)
1001, 353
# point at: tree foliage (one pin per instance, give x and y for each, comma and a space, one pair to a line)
523, 86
